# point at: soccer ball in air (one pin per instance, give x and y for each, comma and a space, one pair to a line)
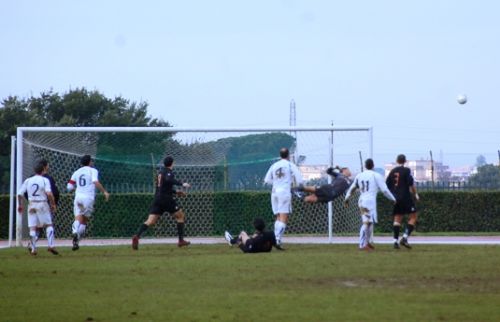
461, 99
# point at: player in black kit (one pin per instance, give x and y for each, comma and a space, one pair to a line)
262, 241
165, 201
328, 192
400, 183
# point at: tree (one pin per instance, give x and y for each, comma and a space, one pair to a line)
487, 176
78, 107
480, 161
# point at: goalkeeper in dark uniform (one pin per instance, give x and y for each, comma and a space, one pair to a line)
165, 201
262, 241
328, 192
400, 183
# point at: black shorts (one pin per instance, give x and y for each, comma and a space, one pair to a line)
256, 246
325, 193
403, 207
160, 206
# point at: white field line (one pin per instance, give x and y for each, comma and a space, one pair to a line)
435, 240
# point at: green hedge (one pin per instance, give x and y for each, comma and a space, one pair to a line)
450, 212
211, 214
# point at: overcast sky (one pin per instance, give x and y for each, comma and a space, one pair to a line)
395, 65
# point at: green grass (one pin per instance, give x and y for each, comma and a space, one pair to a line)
217, 283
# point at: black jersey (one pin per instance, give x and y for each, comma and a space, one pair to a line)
328, 192
261, 243
399, 182
340, 185
53, 187
165, 184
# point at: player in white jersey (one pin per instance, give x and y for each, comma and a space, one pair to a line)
41, 203
85, 179
369, 184
282, 175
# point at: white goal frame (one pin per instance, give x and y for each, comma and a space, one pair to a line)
17, 170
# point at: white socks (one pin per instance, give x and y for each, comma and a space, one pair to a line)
49, 231
370, 239
78, 229
279, 230
34, 238
365, 235
81, 230
75, 226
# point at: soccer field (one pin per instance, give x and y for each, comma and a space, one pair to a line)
219, 283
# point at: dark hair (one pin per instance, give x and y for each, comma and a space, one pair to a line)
369, 164
168, 161
85, 160
259, 224
43, 162
401, 159
38, 168
284, 153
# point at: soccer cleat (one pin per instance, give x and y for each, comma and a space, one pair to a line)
228, 237
396, 245
367, 248
75, 242
31, 250
135, 242
371, 245
404, 242
183, 243
279, 247
53, 251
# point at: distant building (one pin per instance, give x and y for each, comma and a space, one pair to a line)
421, 170
462, 173
312, 172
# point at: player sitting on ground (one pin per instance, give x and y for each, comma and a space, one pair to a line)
328, 192
262, 241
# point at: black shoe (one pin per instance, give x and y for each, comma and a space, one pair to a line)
404, 242
396, 245
75, 242
53, 251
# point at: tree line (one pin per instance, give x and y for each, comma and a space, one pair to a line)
77, 107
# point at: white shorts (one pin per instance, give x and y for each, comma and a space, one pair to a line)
83, 205
281, 203
39, 214
368, 209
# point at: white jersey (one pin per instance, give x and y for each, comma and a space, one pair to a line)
369, 184
37, 187
282, 175
84, 179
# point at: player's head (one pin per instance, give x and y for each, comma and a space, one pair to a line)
85, 160
168, 161
369, 164
346, 172
39, 167
45, 164
284, 153
401, 159
259, 224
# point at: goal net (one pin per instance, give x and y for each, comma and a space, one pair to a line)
225, 168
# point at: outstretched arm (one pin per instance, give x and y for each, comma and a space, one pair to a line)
101, 189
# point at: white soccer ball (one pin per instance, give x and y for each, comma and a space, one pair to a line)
461, 99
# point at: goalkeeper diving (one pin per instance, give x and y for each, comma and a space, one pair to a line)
326, 192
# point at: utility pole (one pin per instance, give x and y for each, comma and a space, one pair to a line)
293, 122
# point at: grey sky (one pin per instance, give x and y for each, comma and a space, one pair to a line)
394, 65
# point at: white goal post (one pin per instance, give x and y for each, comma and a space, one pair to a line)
220, 163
